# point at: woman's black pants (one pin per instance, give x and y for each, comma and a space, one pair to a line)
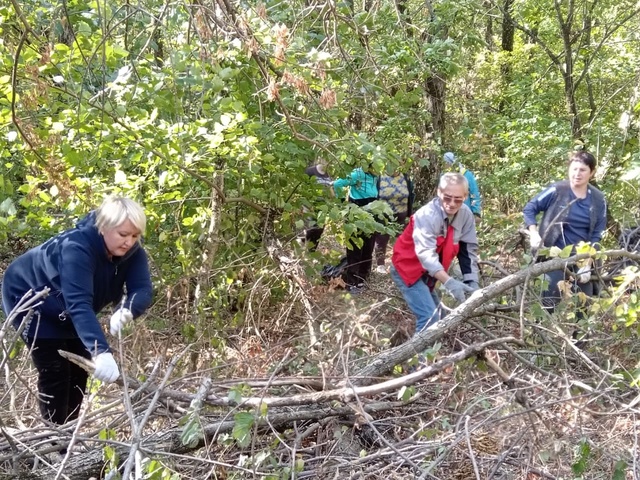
359, 260
61, 384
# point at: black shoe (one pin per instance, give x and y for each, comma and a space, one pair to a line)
356, 289
581, 341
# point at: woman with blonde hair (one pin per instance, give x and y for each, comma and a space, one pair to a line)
85, 269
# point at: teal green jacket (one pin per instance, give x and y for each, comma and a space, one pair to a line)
361, 185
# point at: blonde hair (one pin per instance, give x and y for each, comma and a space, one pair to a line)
453, 178
115, 210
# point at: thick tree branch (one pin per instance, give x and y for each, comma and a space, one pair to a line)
384, 363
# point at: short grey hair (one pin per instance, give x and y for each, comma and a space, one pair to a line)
115, 210
453, 178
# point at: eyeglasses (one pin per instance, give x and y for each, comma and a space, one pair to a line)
452, 200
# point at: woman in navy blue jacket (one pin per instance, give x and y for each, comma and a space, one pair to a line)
573, 211
86, 268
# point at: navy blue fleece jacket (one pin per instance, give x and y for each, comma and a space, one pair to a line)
83, 280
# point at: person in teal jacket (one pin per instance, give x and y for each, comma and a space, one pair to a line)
474, 200
85, 269
362, 190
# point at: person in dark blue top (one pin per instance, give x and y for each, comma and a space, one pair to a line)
85, 268
573, 211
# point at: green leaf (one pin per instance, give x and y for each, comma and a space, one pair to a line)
235, 394
584, 450
242, 428
566, 251
406, 392
555, 252
402, 393
432, 351
620, 470
7, 207
584, 247
192, 432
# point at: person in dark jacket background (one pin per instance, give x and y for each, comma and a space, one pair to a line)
397, 190
573, 211
313, 232
86, 268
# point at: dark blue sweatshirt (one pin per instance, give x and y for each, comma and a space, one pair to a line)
83, 280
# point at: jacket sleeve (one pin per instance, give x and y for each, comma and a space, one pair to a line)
539, 203
138, 283
468, 253
427, 226
352, 180
474, 194
601, 224
77, 267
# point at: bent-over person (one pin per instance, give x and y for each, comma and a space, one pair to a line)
436, 234
86, 268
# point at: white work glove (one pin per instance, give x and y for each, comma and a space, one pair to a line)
106, 368
457, 289
118, 319
584, 274
534, 239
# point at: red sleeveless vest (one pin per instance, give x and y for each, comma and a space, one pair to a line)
406, 262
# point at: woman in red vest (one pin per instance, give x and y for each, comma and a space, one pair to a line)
436, 234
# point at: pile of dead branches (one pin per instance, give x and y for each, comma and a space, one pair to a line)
499, 393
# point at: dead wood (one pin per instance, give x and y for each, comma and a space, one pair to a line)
360, 400
383, 363
91, 463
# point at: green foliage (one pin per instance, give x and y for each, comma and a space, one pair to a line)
625, 303
406, 392
582, 454
431, 352
192, 433
243, 425
155, 470
111, 457
210, 126
237, 392
620, 470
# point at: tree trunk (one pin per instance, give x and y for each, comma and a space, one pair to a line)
508, 34
508, 30
426, 180
488, 32
567, 69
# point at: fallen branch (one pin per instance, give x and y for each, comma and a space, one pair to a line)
382, 364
